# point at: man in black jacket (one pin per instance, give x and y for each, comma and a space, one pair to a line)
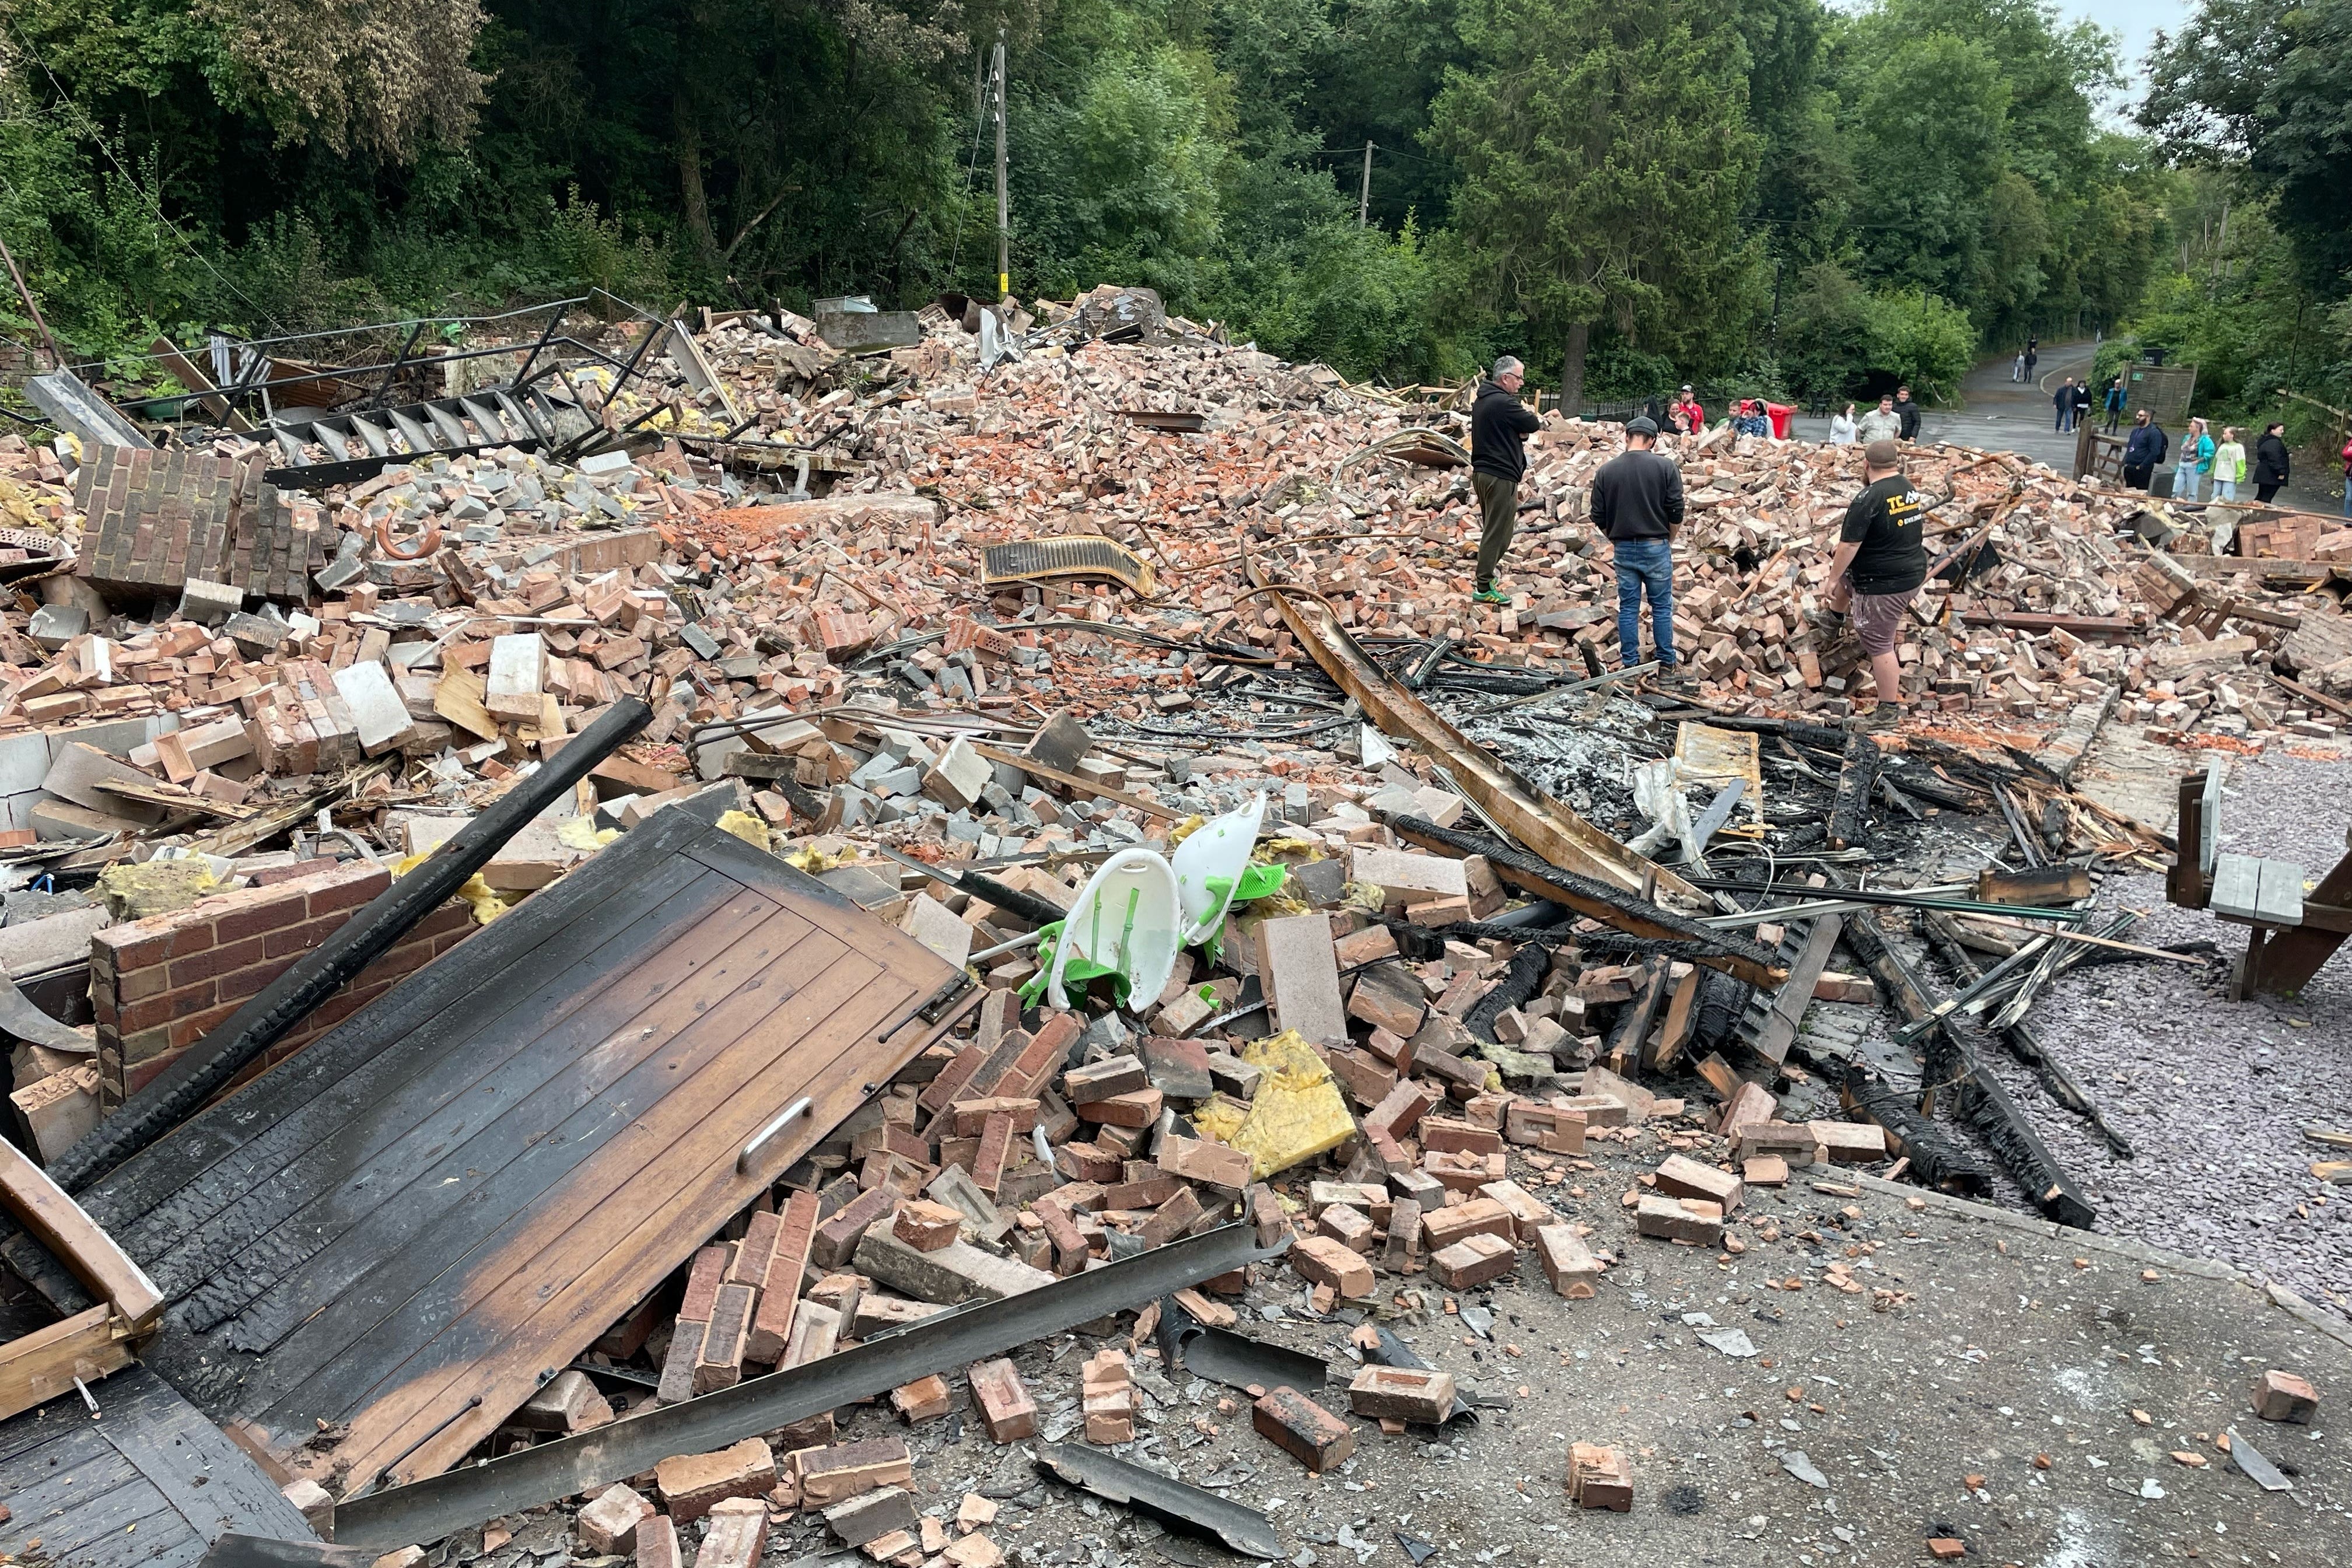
1637, 501
1499, 426
2144, 450
1909, 412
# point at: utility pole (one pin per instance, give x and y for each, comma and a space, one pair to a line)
56, 352
1364, 202
1004, 206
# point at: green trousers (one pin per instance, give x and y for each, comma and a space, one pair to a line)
1498, 511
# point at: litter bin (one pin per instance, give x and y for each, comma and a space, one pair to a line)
1780, 413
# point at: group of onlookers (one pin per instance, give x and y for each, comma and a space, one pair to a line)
2202, 458
1896, 418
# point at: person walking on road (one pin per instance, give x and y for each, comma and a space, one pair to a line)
2229, 465
2196, 461
1841, 427
1882, 423
2271, 465
2143, 451
2064, 399
1909, 412
1637, 503
2114, 404
2032, 355
1499, 427
2017, 366
1880, 564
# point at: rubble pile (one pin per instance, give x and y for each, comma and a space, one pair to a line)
1016, 653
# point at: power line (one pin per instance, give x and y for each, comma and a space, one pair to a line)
91, 126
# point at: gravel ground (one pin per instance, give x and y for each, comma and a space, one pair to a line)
2024, 1392
2213, 1093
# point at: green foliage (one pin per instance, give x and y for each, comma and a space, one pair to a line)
1619, 188
1842, 340
1605, 158
2267, 84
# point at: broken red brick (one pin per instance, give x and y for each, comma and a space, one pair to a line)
1304, 1430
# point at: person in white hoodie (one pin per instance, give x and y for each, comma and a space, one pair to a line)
1841, 427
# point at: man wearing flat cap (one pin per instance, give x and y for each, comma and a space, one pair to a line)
1637, 503
1881, 562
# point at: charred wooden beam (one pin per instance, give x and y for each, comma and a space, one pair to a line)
1629, 912
2022, 1042
1857, 775
1978, 1098
1940, 1159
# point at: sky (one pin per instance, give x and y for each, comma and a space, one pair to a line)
2137, 20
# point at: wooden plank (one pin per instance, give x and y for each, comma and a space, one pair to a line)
2208, 830
67, 1468
1682, 1019
432, 1119
43, 1209
1779, 1030
2278, 893
2237, 884
341, 1072
39, 1366
698, 1171
375, 1268
2040, 885
459, 698
194, 380
210, 1482
1036, 769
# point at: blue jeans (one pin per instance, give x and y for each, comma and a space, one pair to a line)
1645, 563
2184, 482
2227, 490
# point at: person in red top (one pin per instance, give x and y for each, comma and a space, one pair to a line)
1686, 406
2346, 455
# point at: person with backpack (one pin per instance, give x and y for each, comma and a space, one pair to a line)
2143, 451
1637, 503
2271, 465
2229, 466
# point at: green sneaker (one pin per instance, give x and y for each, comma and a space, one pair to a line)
1490, 596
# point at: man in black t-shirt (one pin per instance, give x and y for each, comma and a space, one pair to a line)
1881, 560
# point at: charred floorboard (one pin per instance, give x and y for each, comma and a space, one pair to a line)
447, 1193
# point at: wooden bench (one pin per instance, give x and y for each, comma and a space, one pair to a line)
2290, 933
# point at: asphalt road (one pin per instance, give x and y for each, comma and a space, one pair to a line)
2000, 415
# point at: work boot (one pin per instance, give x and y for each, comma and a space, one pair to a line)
1886, 716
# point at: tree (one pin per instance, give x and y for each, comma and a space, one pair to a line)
2269, 85
1605, 159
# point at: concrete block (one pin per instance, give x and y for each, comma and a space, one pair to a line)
1301, 977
